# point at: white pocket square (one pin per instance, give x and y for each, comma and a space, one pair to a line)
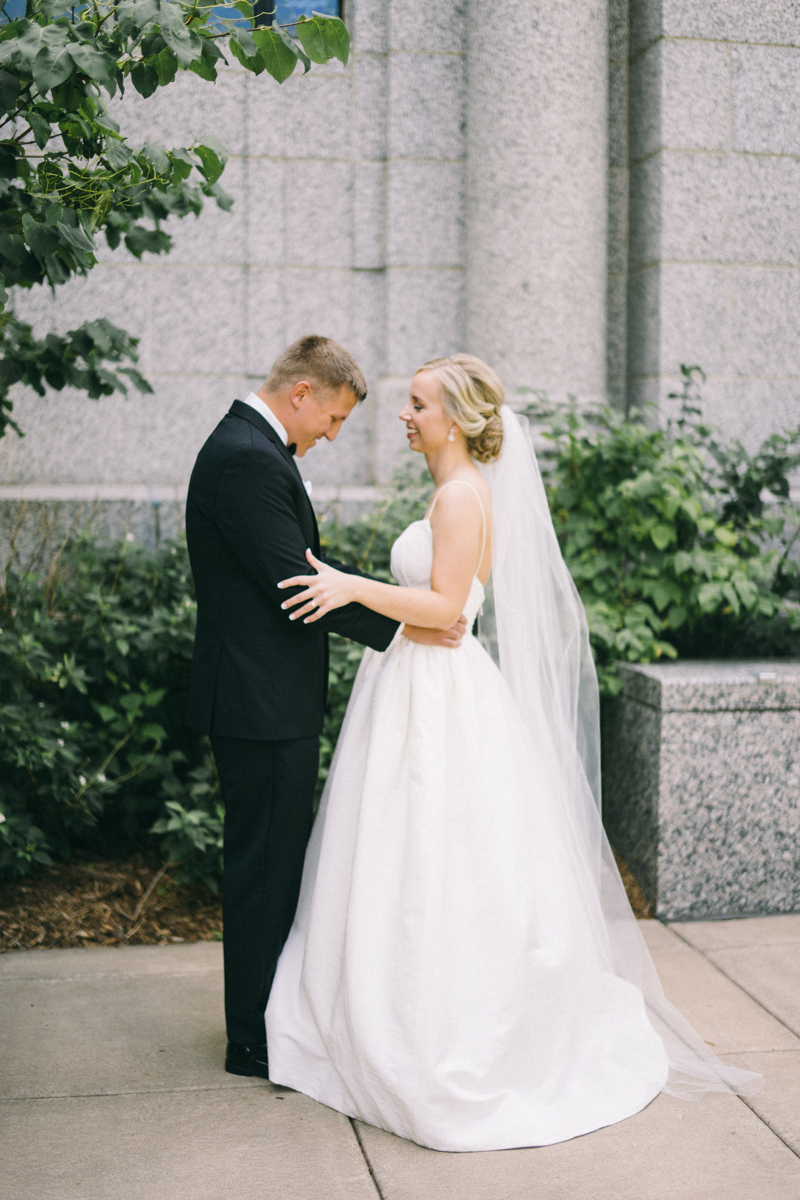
308, 485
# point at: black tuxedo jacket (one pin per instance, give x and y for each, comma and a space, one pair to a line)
255, 673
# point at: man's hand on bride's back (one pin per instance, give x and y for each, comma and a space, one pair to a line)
437, 637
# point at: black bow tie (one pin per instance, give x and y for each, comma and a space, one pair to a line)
293, 448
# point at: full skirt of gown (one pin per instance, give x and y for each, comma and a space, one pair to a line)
446, 977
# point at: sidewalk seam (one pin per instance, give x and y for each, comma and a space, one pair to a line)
365, 1156
771, 1128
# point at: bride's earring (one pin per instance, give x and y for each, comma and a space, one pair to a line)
451, 437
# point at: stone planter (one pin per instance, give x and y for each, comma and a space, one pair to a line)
701, 785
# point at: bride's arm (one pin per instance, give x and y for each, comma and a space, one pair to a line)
457, 530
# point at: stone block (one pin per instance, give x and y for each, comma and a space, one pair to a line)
644, 213
772, 21
425, 214
265, 299
138, 439
370, 105
616, 335
416, 25
645, 103
693, 323
765, 312
617, 114
317, 113
216, 237
191, 107
390, 446
618, 186
701, 778
132, 113
645, 24
750, 409
198, 317
369, 215
424, 317
368, 21
738, 208
369, 321
680, 98
644, 314
264, 212
319, 214
766, 99
618, 30
265, 117
427, 114
317, 301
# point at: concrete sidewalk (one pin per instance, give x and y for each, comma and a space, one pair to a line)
112, 1088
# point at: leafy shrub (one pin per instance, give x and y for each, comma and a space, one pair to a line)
678, 541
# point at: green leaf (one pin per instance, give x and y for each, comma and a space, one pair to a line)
243, 47
41, 129
182, 165
144, 78
9, 90
157, 157
52, 67
182, 41
213, 156
97, 64
41, 238
313, 40
279, 60
661, 536
205, 69
117, 153
336, 35
295, 49
76, 238
166, 65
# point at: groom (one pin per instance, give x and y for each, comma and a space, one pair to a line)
259, 681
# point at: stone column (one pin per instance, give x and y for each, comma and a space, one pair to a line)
537, 193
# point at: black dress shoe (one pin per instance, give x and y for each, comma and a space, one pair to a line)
244, 1059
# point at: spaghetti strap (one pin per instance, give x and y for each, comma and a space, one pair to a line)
480, 505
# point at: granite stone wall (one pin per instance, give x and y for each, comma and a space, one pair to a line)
586, 194
701, 786
714, 216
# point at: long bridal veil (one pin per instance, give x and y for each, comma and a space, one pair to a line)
542, 643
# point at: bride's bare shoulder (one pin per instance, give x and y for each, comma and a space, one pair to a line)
454, 501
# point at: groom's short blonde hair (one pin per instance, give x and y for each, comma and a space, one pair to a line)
319, 359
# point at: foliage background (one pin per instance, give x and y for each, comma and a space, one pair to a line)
680, 543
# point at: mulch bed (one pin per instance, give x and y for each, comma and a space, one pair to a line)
105, 903
114, 902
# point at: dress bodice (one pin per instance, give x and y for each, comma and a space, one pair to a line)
412, 560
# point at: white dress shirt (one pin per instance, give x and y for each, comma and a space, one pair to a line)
258, 404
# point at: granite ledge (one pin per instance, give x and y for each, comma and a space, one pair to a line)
713, 686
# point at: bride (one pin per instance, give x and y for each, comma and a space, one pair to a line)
464, 969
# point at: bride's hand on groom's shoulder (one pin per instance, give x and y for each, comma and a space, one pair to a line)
326, 590
451, 638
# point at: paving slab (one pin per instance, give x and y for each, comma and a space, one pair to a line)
783, 930
260, 1144
779, 1103
715, 1149
108, 1020
726, 1018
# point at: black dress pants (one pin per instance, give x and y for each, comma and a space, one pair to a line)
268, 789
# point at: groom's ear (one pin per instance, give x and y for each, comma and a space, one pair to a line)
300, 392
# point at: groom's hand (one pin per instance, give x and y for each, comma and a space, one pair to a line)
437, 637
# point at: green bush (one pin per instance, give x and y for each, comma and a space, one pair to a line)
95, 655
679, 542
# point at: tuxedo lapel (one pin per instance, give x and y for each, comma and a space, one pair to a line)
248, 413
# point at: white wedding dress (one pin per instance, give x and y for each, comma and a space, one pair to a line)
450, 975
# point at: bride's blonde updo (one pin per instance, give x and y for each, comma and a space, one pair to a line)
472, 396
